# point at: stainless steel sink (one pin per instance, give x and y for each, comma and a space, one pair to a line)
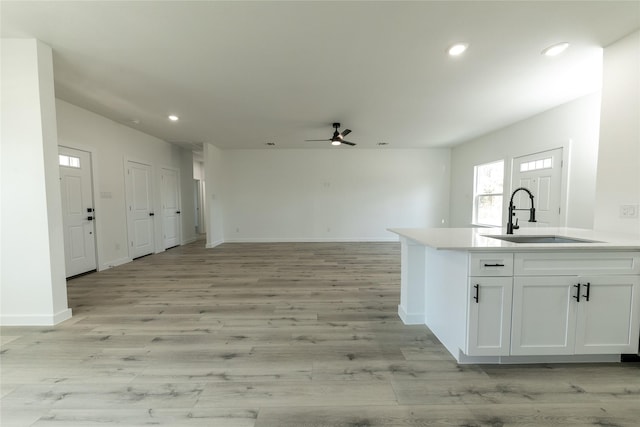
540, 239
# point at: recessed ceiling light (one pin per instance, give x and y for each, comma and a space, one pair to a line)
174, 118
555, 49
457, 49
383, 143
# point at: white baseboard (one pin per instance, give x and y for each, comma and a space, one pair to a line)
309, 240
189, 240
214, 244
463, 359
35, 319
410, 319
114, 263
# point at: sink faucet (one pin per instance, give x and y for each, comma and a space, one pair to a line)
532, 211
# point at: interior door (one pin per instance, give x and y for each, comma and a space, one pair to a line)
170, 208
140, 214
540, 173
77, 211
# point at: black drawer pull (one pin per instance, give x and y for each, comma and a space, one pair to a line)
477, 293
588, 285
494, 265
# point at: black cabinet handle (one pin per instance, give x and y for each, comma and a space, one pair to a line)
177, 212
151, 214
89, 210
477, 293
577, 295
90, 218
588, 285
494, 265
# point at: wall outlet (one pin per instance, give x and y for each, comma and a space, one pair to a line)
629, 211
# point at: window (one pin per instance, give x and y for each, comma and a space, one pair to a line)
536, 164
69, 161
487, 193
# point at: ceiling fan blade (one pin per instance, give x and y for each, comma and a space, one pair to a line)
316, 140
348, 143
345, 132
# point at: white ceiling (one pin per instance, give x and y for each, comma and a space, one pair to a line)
241, 74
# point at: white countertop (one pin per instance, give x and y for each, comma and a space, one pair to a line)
474, 239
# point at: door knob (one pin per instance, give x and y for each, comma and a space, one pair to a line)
151, 214
90, 218
177, 212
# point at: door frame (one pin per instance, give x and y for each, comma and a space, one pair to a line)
564, 175
95, 200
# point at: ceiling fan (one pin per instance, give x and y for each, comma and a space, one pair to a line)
337, 138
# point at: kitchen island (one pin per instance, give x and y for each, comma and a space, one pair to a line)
564, 295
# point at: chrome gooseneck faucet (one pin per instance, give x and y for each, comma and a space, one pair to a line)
532, 211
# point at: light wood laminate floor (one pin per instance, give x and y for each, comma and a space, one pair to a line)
276, 335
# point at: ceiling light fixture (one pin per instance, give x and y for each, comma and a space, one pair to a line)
457, 49
335, 142
174, 118
555, 49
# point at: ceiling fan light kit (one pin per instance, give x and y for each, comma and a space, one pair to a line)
337, 138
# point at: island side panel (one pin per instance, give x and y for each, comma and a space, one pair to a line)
446, 297
412, 282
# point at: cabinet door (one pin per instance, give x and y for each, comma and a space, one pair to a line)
544, 315
489, 316
607, 318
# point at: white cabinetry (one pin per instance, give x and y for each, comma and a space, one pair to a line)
489, 316
607, 321
575, 303
489, 304
544, 316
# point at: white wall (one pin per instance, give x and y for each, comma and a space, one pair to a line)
112, 144
32, 281
332, 195
619, 156
573, 126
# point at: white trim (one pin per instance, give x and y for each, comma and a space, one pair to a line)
114, 263
410, 319
35, 319
309, 240
463, 359
214, 244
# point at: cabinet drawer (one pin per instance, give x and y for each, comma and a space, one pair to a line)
576, 263
491, 264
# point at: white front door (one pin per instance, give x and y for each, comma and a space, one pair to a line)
140, 212
170, 208
77, 211
540, 173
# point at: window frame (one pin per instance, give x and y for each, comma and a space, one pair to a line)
477, 195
